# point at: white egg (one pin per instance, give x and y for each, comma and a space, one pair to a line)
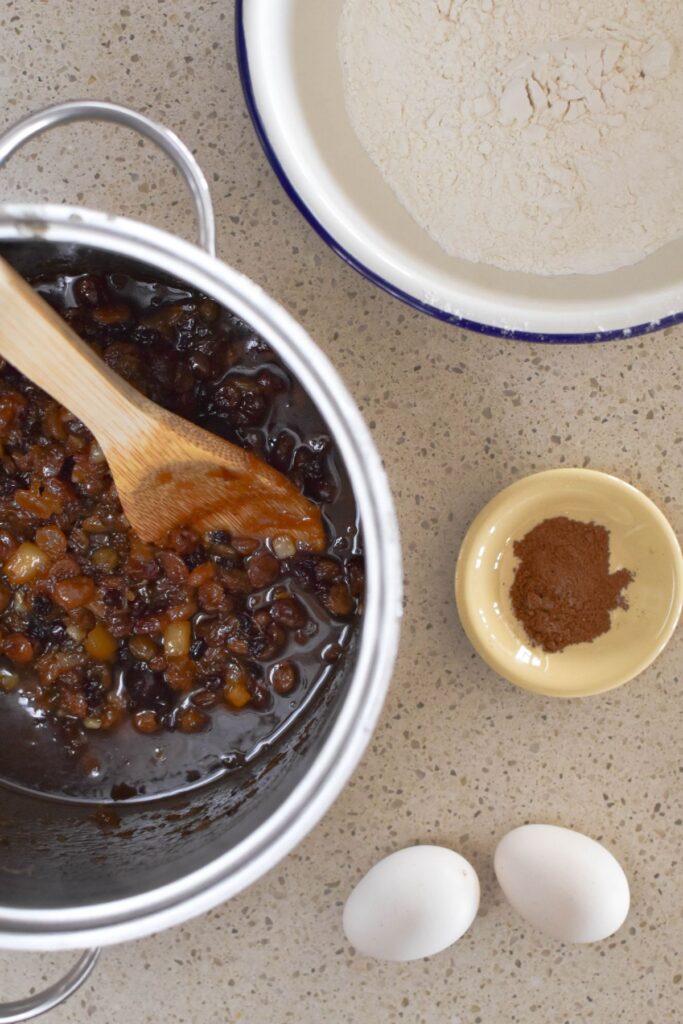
563, 882
413, 903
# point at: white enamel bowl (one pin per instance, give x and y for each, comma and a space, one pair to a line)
293, 87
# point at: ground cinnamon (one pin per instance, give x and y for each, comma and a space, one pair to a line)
563, 591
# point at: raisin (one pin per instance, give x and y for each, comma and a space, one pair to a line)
338, 600
263, 569
148, 690
192, 720
284, 677
289, 612
260, 698
74, 592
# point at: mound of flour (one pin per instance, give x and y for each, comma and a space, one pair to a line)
537, 135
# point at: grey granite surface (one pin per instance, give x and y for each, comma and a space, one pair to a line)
459, 757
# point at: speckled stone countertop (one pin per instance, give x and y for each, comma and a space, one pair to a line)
459, 756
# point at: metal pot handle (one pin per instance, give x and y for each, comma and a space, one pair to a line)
41, 1002
96, 110
10, 141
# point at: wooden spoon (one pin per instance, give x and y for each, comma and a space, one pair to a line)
167, 471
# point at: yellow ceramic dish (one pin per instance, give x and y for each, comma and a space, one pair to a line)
641, 539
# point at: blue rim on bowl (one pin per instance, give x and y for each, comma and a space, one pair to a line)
348, 257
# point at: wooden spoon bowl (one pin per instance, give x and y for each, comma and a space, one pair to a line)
168, 472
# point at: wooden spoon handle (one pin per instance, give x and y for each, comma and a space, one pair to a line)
38, 343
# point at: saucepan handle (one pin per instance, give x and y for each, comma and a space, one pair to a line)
96, 110
41, 1002
10, 141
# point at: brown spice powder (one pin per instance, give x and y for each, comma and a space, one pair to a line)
563, 591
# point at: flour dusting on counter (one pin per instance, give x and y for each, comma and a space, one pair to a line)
533, 136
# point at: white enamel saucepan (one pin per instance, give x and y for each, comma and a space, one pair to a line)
65, 883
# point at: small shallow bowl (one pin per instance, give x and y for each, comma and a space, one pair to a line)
292, 80
641, 540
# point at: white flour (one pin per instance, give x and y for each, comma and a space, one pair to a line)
536, 135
